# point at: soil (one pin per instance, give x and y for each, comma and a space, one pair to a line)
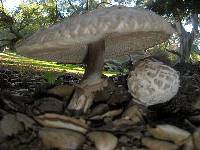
25, 94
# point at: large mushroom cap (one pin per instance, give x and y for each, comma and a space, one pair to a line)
124, 29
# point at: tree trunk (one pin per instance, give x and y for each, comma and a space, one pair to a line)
187, 38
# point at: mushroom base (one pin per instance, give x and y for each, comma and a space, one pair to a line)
91, 82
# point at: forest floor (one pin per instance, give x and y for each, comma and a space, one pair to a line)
34, 116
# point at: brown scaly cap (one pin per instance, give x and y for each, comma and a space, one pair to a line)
124, 29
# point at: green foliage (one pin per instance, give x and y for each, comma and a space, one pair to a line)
80, 6
179, 9
180, 13
25, 20
32, 15
195, 57
51, 77
117, 66
29, 17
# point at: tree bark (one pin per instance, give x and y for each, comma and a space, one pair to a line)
187, 38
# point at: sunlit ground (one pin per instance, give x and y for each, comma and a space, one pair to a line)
11, 60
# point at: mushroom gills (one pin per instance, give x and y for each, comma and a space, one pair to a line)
91, 82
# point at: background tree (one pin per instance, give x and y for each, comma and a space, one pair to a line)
32, 15
26, 19
180, 12
124, 2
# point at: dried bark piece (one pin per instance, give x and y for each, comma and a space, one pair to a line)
170, 133
48, 104
130, 148
158, 144
61, 121
99, 109
188, 144
103, 140
61, 90
196, 103
195, 119
134, 113
61, 139
9, 125
27, 121
109, 114
196, 139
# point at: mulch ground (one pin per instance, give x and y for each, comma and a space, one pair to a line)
26, 95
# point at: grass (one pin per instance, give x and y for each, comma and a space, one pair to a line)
23, 63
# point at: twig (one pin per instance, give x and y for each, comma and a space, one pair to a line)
103, 3
70, 3
190, 124
174, 52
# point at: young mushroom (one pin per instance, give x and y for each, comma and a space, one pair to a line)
152, 82
90, 38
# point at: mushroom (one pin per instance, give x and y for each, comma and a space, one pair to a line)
90, 38
152, 82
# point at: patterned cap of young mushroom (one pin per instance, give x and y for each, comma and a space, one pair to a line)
152, 82
124, 30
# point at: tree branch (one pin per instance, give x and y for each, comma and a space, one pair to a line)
195, 24
22, 27
179, 28
87, 5
174, 52
6, 19
99, 4
58, 14
70, 3
16, 33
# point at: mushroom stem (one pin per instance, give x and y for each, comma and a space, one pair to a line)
91, 82
94, 61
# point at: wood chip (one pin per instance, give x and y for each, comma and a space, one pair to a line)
170, 133
61, 121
